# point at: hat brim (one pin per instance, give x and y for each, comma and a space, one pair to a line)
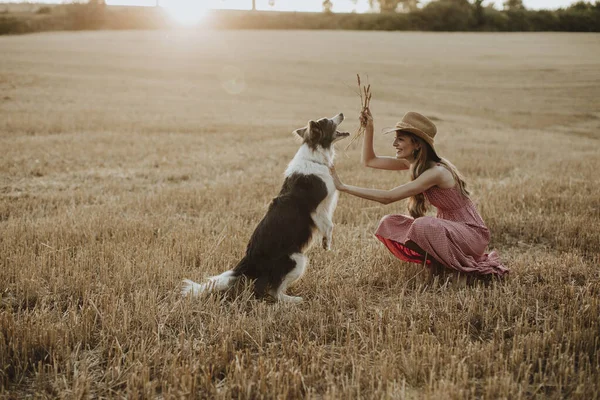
414, 131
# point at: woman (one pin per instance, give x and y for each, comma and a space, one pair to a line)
457, 237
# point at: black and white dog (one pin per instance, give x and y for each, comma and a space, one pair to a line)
275, 254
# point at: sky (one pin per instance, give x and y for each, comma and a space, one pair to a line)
293, 5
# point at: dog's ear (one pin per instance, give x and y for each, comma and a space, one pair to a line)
314, 131
301, 132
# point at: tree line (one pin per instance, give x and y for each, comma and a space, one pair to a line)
437, 15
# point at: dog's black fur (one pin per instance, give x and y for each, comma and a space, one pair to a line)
287, 228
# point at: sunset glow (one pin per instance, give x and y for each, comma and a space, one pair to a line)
186, 12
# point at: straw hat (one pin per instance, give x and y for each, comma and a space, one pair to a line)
417, 124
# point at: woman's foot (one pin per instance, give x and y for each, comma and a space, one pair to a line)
436, 271
460, 280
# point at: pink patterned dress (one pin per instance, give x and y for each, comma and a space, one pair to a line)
457, 237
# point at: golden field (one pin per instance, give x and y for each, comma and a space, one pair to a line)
132, 160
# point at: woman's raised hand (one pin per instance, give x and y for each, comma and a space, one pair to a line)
366, 118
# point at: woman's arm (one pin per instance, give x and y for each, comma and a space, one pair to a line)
369, 158
427, 179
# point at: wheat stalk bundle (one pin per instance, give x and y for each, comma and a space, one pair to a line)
365, 101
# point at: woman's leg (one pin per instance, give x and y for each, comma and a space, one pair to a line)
435, 267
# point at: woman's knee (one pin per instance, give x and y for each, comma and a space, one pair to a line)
386, 218
422, 224
395, 218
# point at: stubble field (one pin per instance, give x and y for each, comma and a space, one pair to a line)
132, 160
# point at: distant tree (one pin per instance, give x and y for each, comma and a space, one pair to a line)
514, 5
272, 3
583, 6
478, 13
253, 5
410, 5
97, 2
327, 5
461, 3
386, 6
448, 15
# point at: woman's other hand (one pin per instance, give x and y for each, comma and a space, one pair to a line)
336, 179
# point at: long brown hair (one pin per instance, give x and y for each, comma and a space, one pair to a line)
417, 206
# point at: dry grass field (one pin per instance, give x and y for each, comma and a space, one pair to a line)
132, 160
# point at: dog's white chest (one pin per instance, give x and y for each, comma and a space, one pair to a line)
311, 162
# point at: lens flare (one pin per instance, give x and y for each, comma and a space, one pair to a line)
232, 79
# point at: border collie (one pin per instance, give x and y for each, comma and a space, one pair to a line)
275, 254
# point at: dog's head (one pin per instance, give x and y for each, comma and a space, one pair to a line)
322, 133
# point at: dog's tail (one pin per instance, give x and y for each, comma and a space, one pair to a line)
215, 283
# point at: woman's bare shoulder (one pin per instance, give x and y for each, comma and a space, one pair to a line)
445, 177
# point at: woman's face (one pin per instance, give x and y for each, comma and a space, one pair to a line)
404, 146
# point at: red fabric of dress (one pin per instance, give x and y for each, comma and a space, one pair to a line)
457, 237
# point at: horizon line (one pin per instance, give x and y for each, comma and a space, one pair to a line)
348, 10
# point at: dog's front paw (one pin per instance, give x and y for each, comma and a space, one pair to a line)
326, 243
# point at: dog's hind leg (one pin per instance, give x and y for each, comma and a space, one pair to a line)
299, 260
214, 283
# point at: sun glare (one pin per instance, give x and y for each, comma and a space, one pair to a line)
186, 12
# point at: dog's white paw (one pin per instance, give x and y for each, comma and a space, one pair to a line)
284, 298
326, 243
